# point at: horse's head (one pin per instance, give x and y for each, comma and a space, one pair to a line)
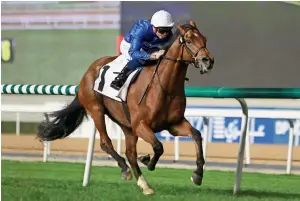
194, 44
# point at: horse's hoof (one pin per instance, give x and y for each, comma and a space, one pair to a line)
196, 179
148, 191
126, 175
151, 167
144, 159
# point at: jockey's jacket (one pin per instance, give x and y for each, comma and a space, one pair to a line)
141, 35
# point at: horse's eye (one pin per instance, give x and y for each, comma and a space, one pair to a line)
188, 41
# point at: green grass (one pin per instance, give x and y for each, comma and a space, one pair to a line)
62, 181
55, 56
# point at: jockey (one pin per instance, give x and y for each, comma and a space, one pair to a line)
141, 44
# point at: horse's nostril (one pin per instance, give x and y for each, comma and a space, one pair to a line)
206, 59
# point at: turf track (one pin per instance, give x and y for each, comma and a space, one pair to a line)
62, 181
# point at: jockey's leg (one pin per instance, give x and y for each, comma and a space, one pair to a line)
120, 80
184, 128
146, 133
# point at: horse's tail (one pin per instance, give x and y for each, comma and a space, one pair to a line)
64, 123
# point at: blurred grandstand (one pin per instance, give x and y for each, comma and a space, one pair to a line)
60, 15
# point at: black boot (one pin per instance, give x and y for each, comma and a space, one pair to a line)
120, 80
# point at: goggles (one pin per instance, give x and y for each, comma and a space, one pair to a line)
163, 30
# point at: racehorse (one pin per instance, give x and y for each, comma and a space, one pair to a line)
162, 107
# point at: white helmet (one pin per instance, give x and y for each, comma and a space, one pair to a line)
162, 19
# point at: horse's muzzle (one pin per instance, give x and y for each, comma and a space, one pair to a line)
205, 64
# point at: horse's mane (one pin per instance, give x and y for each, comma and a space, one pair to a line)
176, 33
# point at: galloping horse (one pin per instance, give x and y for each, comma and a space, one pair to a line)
162, 108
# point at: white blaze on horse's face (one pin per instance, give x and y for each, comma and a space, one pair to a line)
204, 60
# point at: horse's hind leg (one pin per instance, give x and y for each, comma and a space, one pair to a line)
184, 128
131, 154
93, 103
105, 142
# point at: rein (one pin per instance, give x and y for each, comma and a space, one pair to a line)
181, 60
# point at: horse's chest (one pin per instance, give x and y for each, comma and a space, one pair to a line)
170, 113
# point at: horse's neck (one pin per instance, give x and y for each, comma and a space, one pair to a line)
172, 74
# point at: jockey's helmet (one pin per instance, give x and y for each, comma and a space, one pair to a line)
162, 18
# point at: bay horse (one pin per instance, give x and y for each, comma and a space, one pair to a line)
162, 108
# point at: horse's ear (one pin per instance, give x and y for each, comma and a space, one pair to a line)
180, 28
193, 23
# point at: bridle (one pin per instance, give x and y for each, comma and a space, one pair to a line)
188, 50
181, 60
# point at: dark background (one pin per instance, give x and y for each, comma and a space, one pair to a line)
255, 44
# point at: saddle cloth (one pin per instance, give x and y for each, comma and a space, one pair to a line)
108, 73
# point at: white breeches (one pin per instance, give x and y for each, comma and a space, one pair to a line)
124, 48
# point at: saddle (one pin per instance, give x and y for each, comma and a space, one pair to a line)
109, 73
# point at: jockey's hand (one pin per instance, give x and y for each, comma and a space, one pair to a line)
157, 55
161, 52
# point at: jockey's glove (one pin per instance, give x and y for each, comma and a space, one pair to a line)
157, 55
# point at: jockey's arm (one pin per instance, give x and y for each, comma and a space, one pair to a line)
135, 50
136, 45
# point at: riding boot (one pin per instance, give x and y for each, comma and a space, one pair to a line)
120, 80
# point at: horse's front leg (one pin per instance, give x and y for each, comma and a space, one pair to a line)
184, 128
145, 132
